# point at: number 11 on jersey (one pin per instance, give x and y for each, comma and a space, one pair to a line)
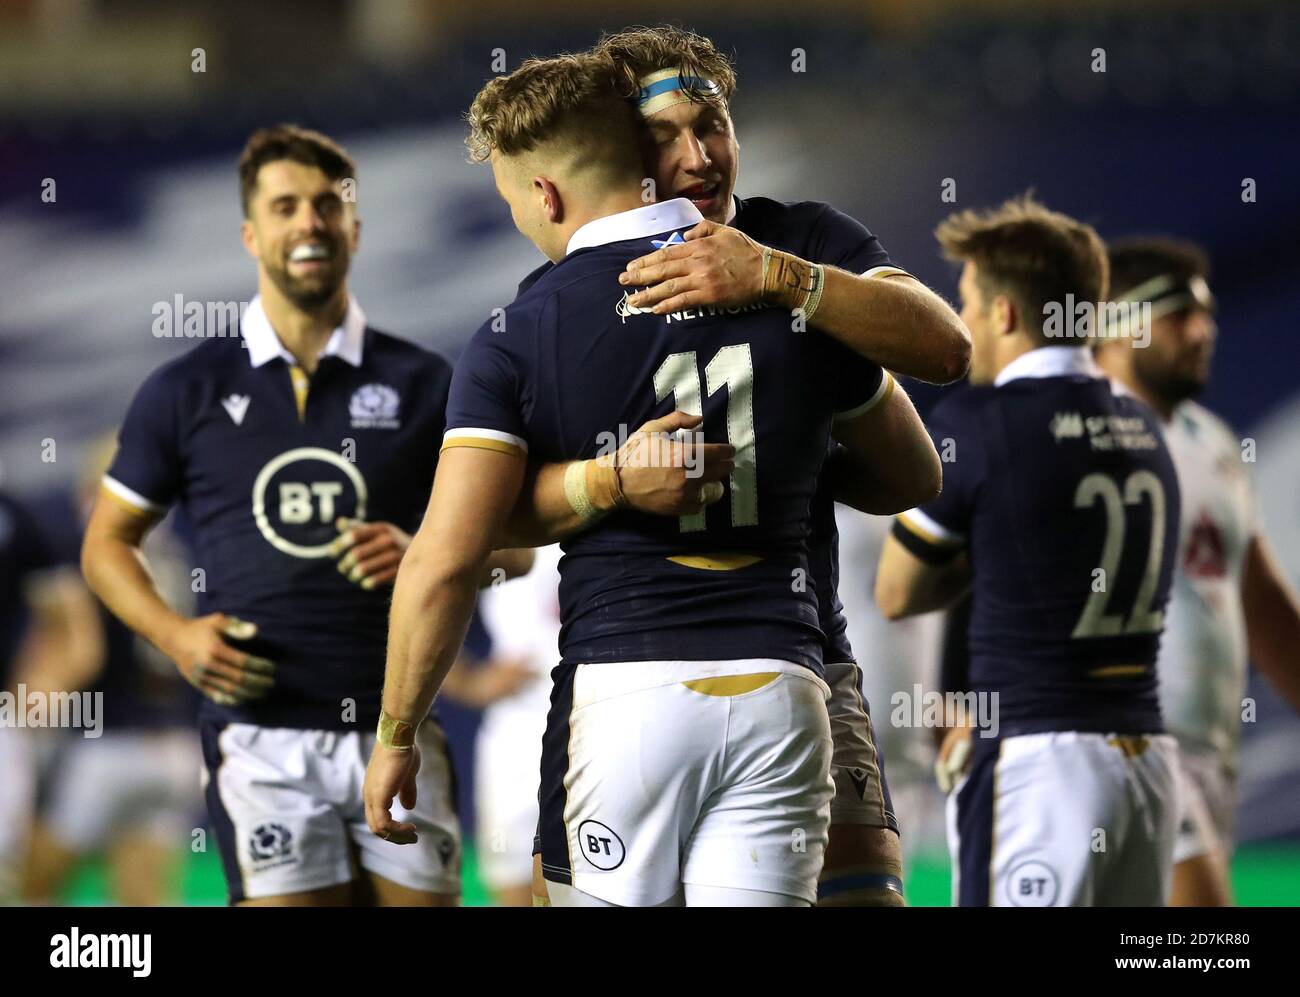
732, 367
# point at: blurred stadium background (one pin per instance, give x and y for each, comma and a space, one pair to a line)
889, 99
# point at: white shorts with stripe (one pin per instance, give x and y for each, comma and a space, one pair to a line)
661, 774
287, 810
1064, 819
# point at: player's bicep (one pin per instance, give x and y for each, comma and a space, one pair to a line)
112, 518
889, 453
473, 492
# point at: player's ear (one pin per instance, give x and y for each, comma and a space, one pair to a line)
1005, 318
248, 236
550, 198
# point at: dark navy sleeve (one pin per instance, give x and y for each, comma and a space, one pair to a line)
29, 542
860, 384
484, 408
937, 531
146, 472
846, 243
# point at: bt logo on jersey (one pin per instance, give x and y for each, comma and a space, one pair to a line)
298, 496
601, 846
1032, 884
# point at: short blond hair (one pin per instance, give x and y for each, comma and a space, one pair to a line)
566, 104
1028, 252
639, 51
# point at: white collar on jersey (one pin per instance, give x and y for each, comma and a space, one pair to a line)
1050, 361
679, 213
264, 345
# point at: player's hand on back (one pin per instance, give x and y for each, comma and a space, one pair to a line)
369, 553
669, 476
716, 265
223, 673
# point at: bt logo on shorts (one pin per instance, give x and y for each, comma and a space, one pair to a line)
600, 845
1032, 884
270, 841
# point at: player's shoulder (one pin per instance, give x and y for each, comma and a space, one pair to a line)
963, 403
770, 211
389, 348
1205, 426
204, 362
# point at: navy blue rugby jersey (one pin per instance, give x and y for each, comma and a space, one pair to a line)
1064, 495
263, 461
24, 552
574, 364
818, 233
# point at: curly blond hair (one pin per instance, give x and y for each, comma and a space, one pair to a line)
639, 51
566, 105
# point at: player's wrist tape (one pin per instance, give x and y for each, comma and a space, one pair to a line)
593, 488
791, 282
394, 734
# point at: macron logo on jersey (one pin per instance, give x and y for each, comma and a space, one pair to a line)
236, 406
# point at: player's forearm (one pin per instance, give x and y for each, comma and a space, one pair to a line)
546, 513
542, 515
117, 572
1272, 621
507, 563
907, 587
896, 322
433, 599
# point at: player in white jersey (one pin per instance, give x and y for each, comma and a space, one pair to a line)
523, 618
1230, 601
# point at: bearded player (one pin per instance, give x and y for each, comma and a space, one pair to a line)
302, 449
1230, 601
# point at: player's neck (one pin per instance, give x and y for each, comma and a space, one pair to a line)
1114, 367
303, 333
613, 203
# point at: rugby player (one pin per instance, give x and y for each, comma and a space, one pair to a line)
49, 642
129, 793
1059, 512
690, 659
683, 87
302, 450
1230, 600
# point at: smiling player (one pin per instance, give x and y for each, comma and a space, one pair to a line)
689, 644
683, 86
302, 450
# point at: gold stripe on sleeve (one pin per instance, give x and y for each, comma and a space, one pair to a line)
483, 443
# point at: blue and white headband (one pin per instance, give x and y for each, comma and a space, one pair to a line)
668, 87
